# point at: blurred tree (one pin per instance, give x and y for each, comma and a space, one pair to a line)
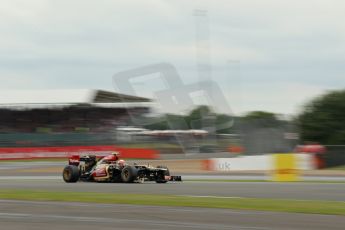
225, 124
323, 119
156, 124
176, 121
262, 118
164, 122
195, 118
254, 115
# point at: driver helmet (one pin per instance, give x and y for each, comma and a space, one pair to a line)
114, 156
121, 163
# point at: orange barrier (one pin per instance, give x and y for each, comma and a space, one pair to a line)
236, 149
207, 165
65, 152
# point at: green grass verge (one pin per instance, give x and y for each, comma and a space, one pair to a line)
276, 205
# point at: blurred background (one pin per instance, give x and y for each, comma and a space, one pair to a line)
233, 96
278, 67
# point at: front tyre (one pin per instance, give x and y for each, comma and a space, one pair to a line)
161, 177
71, 174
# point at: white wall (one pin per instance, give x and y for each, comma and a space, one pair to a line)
259, 162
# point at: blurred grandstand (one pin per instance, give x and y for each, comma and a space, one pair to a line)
65, 117
43, 118
46, 118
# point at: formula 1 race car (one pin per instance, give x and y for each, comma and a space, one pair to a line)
112, 169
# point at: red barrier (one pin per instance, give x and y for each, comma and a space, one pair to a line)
65, 152
207, 165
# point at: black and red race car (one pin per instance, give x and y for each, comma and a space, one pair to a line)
112, 169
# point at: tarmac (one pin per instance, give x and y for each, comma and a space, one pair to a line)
298, 191
80, 216
61, 215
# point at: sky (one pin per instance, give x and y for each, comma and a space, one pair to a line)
264, 55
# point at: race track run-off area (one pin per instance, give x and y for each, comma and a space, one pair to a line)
79, 216
39, 201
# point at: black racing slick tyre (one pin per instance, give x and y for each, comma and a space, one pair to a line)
129, 174
165, 173
70, 174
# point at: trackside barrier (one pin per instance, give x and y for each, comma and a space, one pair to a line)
279, 167
64, 152
285, 168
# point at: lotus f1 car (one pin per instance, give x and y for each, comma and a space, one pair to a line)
112, 169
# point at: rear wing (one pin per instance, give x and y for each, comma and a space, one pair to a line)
74, 160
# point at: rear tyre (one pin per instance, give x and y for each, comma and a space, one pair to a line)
71, 174
161, 177
129, 174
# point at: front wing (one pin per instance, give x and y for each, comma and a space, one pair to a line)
173, 178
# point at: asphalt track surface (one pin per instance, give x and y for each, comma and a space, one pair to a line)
299, 191
79, 216
60, 215
13, 176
